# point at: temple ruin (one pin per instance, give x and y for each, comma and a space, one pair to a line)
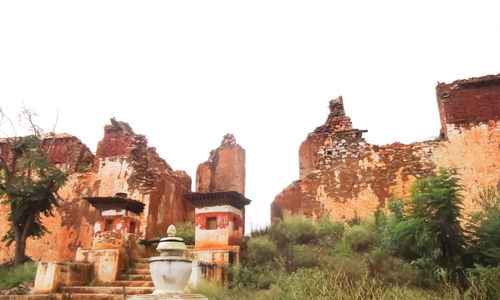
345, 177
126, 193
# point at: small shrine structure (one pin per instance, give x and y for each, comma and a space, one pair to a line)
219, 225
120, 218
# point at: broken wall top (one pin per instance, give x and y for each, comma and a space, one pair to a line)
224, 170
469, 101
337, 121
66, 151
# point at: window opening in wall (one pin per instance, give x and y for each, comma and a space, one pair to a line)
108, 226
132, 227
212, 223
235, 223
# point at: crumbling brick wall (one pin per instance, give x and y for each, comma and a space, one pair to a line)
345, 177
224, 170
123, 163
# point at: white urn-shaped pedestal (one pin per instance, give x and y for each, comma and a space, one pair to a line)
170, 271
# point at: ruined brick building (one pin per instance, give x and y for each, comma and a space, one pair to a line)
123, 163
343, 176
340, 175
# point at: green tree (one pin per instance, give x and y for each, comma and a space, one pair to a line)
428, 231
186, 231
485, 228
437, 202
29, 182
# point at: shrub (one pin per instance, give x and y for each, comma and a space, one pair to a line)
260, 250
211, 291
329, 232
12, 277
436, 203
317, 284
484, 283
391, 269
260, 276
360, 238
242, 276
343, 249
429, 232
292, 231
300, 230
399, 237
304, 256
485, 226
352, 268
185, 231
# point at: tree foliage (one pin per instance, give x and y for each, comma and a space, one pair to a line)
29, 182
485, 225
428, 231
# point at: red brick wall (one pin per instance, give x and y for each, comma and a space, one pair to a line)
345, 177
469, 101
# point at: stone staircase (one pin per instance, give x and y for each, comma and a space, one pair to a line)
136, 282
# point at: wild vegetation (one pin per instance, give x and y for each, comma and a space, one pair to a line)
28, 185
419, 249
11, 276
185, 230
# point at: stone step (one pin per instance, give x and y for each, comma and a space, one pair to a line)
142, 260
33, 297
106, 290
141, 266
135, 277
139, 272
132, 283
79, 296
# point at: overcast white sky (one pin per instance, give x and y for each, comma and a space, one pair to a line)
184, 73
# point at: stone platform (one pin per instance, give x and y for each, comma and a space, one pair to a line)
173, 296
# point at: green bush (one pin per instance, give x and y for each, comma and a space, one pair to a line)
10, 277
343, 249
329, 232
294, 230
242, 276
399, 237
260, 250
436, 208
211, 291
360, 238
317, 284
256, 277
484, 283
304, 256
185, 231
485, 226
217, 292
391, 270
353, 268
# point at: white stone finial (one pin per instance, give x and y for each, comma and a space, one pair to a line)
171, 231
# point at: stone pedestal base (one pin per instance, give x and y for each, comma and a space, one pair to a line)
169, 296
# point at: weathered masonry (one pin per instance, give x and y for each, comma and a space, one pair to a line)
343, 176
123, 165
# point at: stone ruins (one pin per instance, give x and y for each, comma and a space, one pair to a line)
126, 193
344, 177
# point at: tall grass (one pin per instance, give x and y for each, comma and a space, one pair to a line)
10, 278
300, 259
315, 283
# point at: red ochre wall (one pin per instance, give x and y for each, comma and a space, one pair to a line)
345, 177
224, 170
226, 234
123, 163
